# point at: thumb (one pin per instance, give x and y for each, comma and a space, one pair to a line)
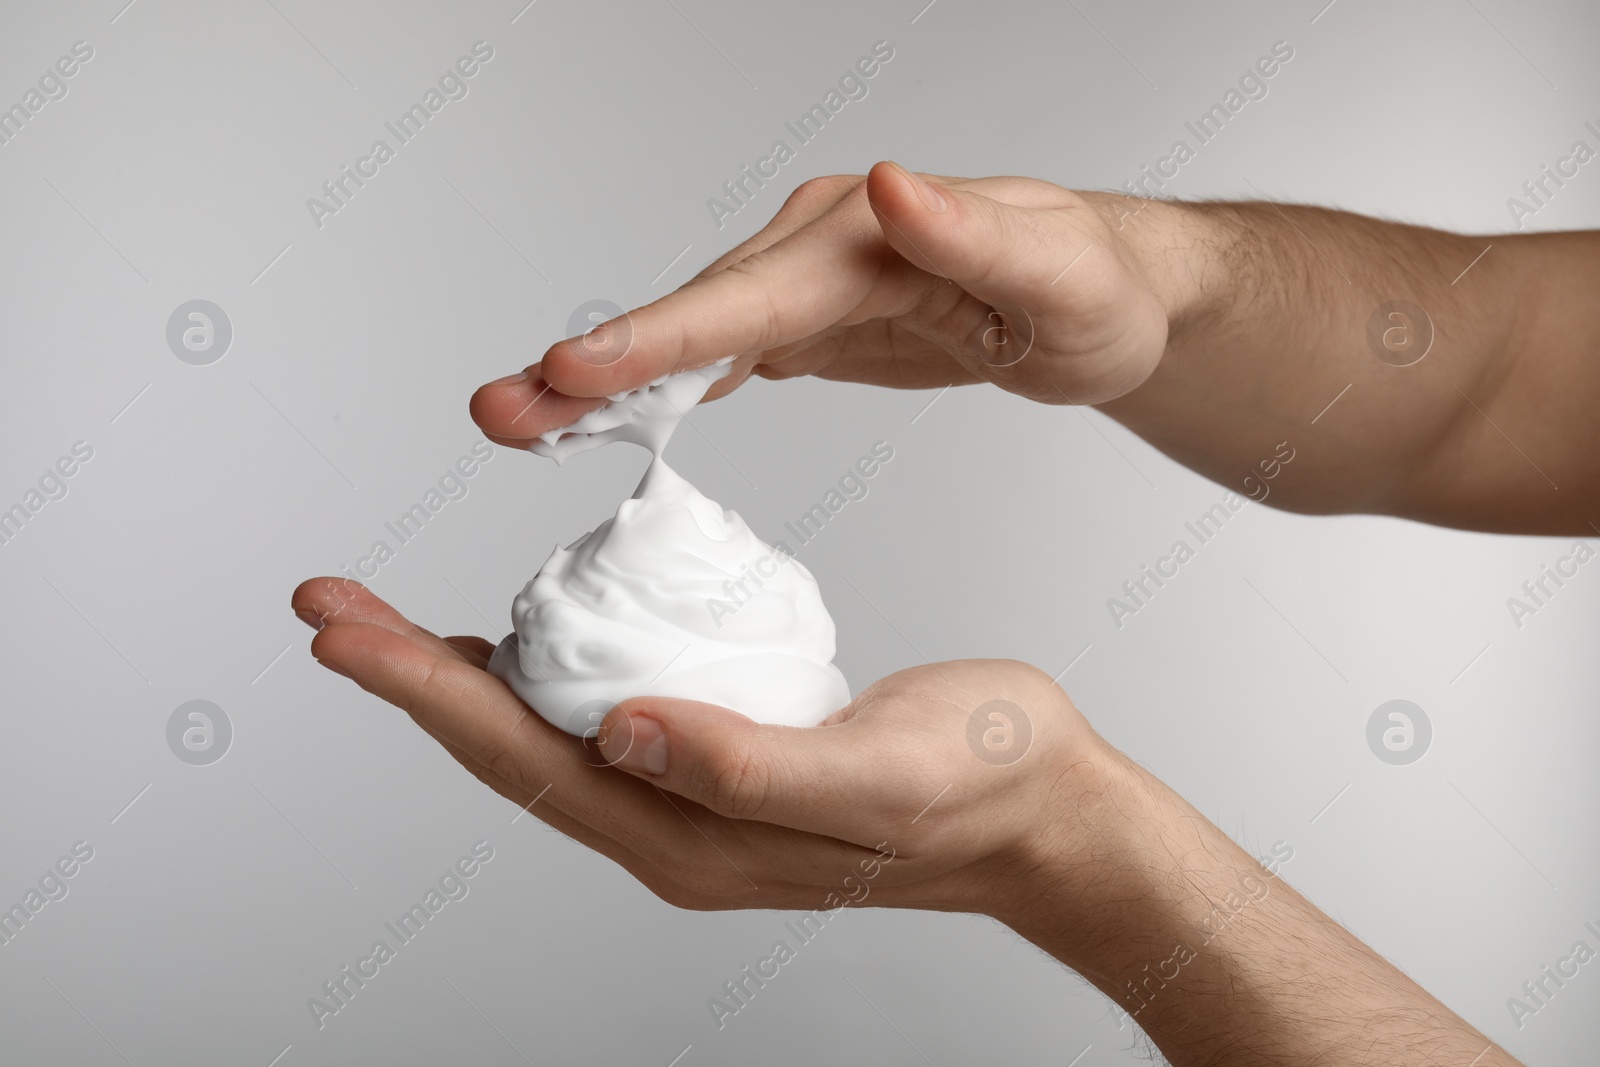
819, 779
1103, 328
989, 247
1003, 254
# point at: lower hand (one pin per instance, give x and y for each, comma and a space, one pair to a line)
930, 790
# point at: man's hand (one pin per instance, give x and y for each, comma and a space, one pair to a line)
932, 779
967, 786
890, 279
1218, 332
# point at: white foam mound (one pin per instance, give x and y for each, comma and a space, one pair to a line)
675, 596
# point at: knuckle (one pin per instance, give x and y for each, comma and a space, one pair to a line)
423, 689
738, 783
499, 762
771, 330
503, 760
772, 326
824, 189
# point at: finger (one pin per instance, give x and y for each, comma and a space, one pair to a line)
505, 405
821, 779
488, 727
810, 198
452, 700
476, 649
525, 790
660, 839
537, 808
1007, 256
996, 250
803, 283
340, 600
513, 411
518, 408
738, 373
532, 805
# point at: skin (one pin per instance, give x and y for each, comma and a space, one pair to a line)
1215, 331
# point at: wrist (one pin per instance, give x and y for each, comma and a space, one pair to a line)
1178, 251
1198, 943
1085, 866
1122, 869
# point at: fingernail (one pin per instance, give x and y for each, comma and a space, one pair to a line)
931, 198
520, 376
648, 752
310, 618
336, 669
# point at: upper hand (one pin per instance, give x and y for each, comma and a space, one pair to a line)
1012, 280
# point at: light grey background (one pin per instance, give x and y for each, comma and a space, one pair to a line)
178, 167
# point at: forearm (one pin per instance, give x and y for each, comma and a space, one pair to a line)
1270, 308
1213, 956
